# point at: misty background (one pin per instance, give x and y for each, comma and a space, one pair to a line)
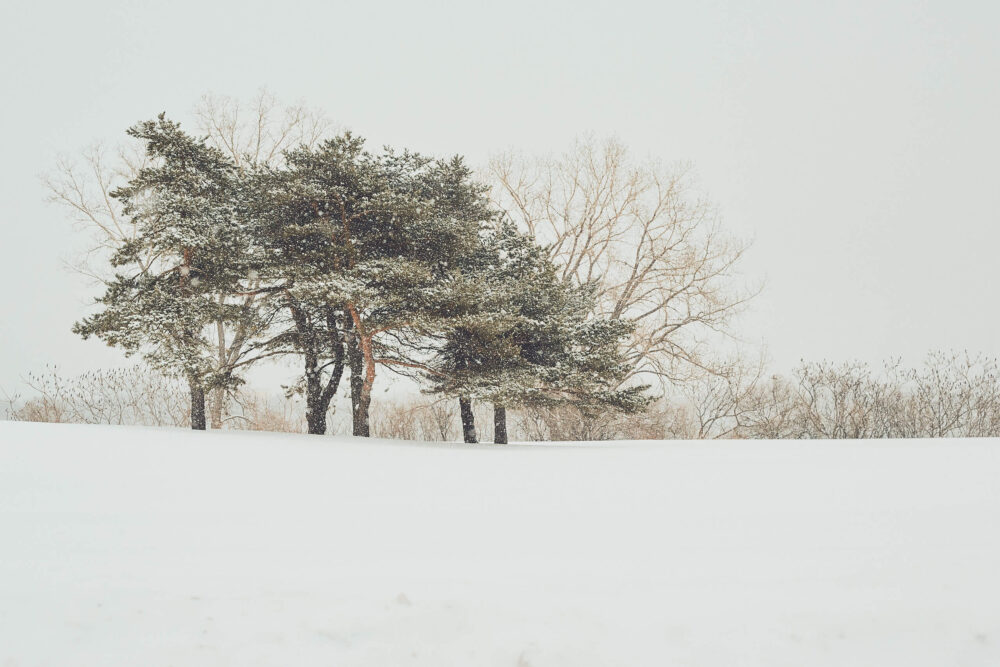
854, 144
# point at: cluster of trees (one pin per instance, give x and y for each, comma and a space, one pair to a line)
567, 280
350, 261
549, 292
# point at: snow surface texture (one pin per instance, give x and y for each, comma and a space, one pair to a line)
127, 546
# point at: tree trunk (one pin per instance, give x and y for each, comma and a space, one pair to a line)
499, 424
356, 362
359, 415
318, 395
315, 414
468, 419
361, 360
362, 426
324, 394
197, 407
197, 390
217, 399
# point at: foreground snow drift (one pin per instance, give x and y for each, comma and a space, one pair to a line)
143, 547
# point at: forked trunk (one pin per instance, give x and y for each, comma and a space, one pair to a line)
318, 394
362, 362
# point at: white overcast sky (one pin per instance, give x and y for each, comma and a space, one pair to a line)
856, 142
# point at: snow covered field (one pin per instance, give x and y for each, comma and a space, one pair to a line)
127, 546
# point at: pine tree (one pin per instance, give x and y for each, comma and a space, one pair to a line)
358, 248
526, 338
352, 261
186, 212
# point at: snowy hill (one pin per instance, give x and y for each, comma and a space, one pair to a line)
125, 546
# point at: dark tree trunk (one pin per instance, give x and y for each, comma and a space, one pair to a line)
197, 407
318, 394
336, 342
499, 424
468, 419
359, 407
197, 390
319, 397
306, 339
315, 411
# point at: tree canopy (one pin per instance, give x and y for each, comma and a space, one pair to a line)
352, 261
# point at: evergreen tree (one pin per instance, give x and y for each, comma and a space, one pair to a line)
526, 338
358, 247
185, 209
353, 261
299, 248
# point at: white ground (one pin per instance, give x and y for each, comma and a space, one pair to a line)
123, 546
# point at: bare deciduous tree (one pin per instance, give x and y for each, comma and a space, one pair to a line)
83, 186
643, 233
258, 132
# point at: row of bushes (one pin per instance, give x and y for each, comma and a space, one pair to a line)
949, 395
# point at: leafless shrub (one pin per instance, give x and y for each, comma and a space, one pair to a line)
529, 424
723, 402
568, 423
772, 414
395, 420
956, 395
439, 420
11, 408
134, 395
950, 395
256, 411
843, 401
419, 419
